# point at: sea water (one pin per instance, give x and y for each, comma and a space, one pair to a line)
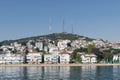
61, 73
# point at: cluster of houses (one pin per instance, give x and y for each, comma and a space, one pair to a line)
11, 58
48, 45
60, 53
35, 58
39, 57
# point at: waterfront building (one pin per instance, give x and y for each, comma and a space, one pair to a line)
51, 58
10, 58
55, 58
89, 58
34, 58
116, 58
47, 58
64, 57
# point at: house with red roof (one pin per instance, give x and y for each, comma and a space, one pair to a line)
34, 58
64, 57
88, 58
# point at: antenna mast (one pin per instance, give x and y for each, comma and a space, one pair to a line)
63, 24
50, 27
72, 29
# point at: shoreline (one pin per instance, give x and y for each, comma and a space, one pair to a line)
54, 65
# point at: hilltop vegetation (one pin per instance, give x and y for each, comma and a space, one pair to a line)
54, 36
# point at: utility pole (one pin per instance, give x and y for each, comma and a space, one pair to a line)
50, 27
72, 29
63, 24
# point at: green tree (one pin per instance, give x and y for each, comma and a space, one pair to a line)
14, 51
44, 52
90, 48
74, 53
43, 58
108, 57
98, 53
25, 55
36, 50
1, 49
23, 43
78, 58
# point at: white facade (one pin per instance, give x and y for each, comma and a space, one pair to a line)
11, 58
64, 58
29, 45
34, 58
39, 45
98, 43
45, 48
62, 44
47, 58
53, 49
79, 43
15, 44
55, 58
88, 58
51, 58
116, 58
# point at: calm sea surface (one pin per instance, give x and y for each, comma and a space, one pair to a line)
60, 73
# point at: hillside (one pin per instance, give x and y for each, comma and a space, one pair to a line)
54, 36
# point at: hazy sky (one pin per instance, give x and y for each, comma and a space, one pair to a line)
92, 18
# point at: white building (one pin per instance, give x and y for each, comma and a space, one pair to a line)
46, 48
116, 58
47, 58
55, 58
11, 58
15, 44
29, 45
53, 49
39, 45
2, 61
62, 44
34, 58
99, 43
89, 58
51, 58
79, 43
64, 57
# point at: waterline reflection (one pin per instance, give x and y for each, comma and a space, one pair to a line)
60, 73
